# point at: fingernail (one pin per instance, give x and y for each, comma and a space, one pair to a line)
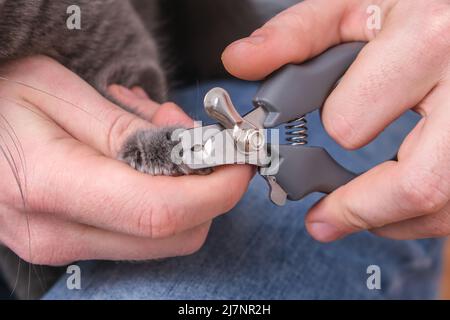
126, 92
254, 39
324, 232
138, 91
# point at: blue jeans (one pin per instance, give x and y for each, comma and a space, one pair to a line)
260, 251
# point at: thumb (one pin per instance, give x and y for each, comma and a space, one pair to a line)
296, 34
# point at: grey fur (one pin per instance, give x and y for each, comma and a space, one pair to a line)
113, 45
150, 151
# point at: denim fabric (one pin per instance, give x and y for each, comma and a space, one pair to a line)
260, 251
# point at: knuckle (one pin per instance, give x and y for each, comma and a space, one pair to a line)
142, 225
354, 221
119, 130
290, 23
422, 192
292, 19
435, 26
163, 221
157, 222
342, 131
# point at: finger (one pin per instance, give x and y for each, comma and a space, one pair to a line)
140, 92
368, 201
136, 98
296, 34
52, 241
73, 104
419, 184
436, 225
382, 84
169, 114
108, 194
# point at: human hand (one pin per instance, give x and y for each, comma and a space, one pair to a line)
405, 65
81, 203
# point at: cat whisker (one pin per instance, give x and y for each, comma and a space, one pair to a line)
12, 163
7, 153
22, 105
2, 78
19, 149
16, 282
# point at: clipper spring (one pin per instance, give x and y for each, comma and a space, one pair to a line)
296, 131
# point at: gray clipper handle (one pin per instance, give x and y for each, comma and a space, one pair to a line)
292, 92
304, 170
296, 90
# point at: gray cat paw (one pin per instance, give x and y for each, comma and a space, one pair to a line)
150, 151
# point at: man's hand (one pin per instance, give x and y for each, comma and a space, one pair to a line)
80, 202
405, 65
